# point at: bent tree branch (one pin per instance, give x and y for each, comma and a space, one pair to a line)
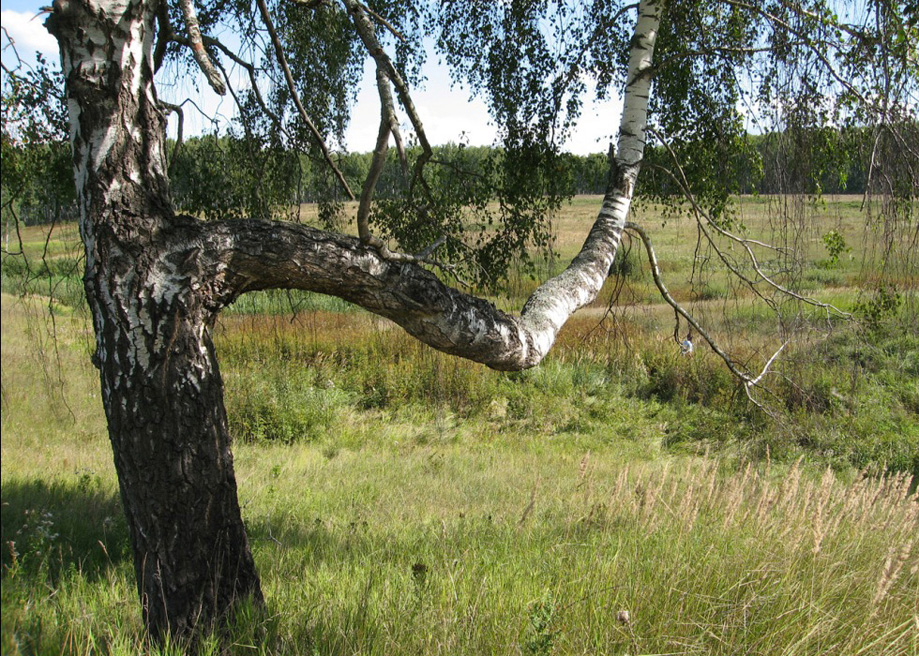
261, 255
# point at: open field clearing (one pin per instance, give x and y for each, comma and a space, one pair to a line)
617, 499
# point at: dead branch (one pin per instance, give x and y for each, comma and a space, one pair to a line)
748, 381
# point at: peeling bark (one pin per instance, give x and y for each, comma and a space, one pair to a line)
147, 291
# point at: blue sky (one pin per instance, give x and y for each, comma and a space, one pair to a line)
447, 112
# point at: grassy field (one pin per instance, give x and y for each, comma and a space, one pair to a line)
618, 499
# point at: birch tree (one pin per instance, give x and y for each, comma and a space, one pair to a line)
156, 280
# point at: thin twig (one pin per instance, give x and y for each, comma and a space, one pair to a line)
814, 47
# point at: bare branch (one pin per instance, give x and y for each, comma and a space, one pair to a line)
679, 309
699, 213
292, 87
197, 48
426, 253
768, 364
12, 46
748, 381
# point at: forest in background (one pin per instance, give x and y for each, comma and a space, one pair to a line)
234, 175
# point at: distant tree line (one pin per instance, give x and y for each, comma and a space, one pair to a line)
229, 177
233, 176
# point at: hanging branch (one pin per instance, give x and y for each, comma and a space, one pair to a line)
819, 49
389, 125
367, 32
748, 381
177, 110
292, 87
683, 184
377, 163
250, 70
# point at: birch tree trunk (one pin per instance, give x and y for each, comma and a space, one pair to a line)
155, 282
146, 285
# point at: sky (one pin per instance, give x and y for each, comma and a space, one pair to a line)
448, 113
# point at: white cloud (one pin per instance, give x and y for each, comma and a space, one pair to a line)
27, 31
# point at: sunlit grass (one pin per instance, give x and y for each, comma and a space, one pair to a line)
507, 547
403, 501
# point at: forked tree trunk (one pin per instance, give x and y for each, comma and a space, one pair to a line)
155, 282
148, 294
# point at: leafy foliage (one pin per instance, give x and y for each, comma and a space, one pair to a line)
234, 176
37, 176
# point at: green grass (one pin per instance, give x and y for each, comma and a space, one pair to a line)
402, 501
505, 547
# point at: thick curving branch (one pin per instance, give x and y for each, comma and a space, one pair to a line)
253, 255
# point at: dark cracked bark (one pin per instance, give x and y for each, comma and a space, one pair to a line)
152, 313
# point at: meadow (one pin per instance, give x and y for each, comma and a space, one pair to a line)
618, 499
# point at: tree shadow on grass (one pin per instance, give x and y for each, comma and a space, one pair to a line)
62, 526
